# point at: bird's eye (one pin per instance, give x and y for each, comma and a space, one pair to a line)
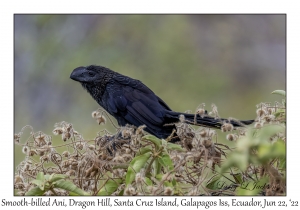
91, 73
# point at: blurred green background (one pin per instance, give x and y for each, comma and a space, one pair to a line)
234, 61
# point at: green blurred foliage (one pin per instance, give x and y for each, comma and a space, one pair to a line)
233, 61
257, 140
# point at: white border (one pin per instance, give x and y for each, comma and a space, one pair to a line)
179, 7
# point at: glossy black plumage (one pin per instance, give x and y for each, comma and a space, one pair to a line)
132, 102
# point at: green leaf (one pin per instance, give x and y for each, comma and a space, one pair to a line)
135, 166
213, 184
121, 192
47, 177
237, 178
148, 181
268, 131
279, 92
168, 184
36, 191
55, 177
159, 177
39, 183
69, 186
177, 147
269, 151
154, 140
174, 183
110, 187
236, 159
166, 161
156, 167
40, 176
144, 150
282, 162
164, 143
279, 112
73, 194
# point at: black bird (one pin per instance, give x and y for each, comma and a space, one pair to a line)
132, 102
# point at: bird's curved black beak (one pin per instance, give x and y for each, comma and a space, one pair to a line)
77, 74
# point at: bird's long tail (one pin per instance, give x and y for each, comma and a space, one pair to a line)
207, 121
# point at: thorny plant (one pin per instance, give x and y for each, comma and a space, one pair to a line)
133, 163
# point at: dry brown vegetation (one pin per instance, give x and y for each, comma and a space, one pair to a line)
130, 162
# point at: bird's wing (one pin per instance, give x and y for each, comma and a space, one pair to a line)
136, 84
132, 100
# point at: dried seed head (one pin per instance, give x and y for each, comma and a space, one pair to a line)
18, 179
56, 158
140, 130
138, 178
231, 137
129, 191
201, 112
206, 143
66, 136
260, 112
91, 147
258, 125
44, 158
214, 111
17, 138
101, 119
69, 127
132, 191
95, 114
128, 151
181, 118
27, 166
226, 127
32, 152
203, 133
176, 158
127, 157
168, 191
211, 133
47, 148
65, 164
126, 133
41, 152
19, 186
40, 139
25, 149
57, 131
79, 145
269, 118
66, 154
118, 159
270, 110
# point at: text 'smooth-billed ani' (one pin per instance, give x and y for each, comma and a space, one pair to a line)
131, 102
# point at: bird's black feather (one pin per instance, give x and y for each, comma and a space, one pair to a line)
132, 102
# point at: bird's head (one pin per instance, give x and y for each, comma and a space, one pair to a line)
93, 78
89, 74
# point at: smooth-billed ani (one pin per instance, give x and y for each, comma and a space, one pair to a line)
132, 102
